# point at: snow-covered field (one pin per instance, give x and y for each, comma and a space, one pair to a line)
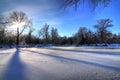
59, 63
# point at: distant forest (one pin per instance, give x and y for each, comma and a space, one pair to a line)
45, 36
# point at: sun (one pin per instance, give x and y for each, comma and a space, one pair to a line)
18, 24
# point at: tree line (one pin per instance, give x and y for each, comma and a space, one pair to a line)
83, 36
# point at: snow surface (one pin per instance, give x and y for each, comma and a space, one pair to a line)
59, 63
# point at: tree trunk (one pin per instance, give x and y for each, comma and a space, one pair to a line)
17, 36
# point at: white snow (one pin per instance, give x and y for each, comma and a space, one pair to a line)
59, 63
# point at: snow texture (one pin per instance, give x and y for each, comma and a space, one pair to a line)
59, 63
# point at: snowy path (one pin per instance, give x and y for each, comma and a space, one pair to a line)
61, 63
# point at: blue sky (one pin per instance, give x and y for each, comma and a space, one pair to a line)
66, 21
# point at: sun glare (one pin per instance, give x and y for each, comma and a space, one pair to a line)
18, 24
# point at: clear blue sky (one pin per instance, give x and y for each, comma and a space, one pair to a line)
66, 21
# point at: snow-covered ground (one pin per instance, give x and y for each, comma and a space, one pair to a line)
59, 63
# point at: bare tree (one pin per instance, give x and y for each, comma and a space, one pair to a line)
89, 37
44, 33
54, 35
102, 31
19, 20
81, 35
31, 29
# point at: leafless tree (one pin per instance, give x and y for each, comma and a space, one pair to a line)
81, 35
31, 29
20, 20
102, 31
44, 33
54, 35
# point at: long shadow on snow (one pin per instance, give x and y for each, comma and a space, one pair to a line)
15, 68
80, 61
95, 52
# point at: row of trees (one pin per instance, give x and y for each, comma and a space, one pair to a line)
82, 36
47, 36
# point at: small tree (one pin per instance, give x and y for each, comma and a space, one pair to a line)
89, 37
54, 36
81, 35
31, 29
44, 33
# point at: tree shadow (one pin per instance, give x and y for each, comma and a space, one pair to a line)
79, 61
15, 68
95, 52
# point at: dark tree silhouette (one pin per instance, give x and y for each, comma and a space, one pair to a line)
2, 29
54, 35
102, 31
81, 35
